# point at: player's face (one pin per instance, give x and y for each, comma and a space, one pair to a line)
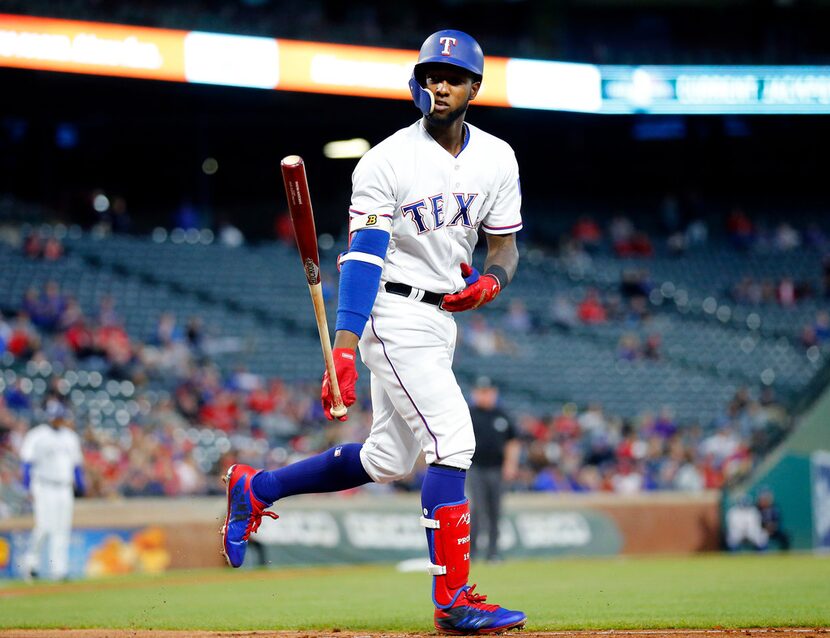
453, 90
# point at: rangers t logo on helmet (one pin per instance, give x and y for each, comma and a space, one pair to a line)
447, 42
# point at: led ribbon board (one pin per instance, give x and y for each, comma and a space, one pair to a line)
268, 63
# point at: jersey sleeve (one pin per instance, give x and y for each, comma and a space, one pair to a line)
27, 447
373, 186
505, 217
370, 228
76, 453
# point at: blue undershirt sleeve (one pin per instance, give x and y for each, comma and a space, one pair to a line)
360, 272
27, 475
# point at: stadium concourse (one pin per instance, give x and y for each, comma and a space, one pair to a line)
658, 360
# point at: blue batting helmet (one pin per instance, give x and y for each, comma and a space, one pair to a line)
445, 47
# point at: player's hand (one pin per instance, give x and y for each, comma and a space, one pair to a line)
481, 291
344, 366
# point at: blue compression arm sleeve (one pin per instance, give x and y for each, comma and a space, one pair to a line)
27, 475
80, 485
360, 272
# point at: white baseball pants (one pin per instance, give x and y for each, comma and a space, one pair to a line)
52, 504
417, 404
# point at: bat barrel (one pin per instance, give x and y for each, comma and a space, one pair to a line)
302, 215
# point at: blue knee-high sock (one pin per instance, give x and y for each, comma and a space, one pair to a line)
441, 485
336, 469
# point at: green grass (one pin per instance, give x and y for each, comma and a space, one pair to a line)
697, 592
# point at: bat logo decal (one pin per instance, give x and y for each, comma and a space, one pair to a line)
312, 271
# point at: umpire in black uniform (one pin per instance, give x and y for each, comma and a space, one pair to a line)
495, 463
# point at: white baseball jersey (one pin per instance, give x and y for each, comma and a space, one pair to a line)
437, 202
53, 453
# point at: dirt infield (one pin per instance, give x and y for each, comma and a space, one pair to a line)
337, 633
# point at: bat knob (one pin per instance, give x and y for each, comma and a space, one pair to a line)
338, 410
292, 160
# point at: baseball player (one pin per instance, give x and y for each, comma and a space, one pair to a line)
53, 472
419, 199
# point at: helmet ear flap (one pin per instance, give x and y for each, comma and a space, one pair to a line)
424, 99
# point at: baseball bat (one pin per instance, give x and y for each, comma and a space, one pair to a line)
302, 218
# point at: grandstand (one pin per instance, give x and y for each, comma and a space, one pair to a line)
252, 302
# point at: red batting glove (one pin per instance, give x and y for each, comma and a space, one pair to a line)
344, 366
481, 291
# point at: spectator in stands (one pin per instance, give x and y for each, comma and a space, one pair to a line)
190, 479
652, 346
24, 339
677, 243
518, 319
628, 347
78, 335
697, 232
167, 330
721, 445
621, 230
688, 477
16, 398
31, 304
51, 305
640, 245
635, 283
485, 340
33, 246
786, 238
565, 424
740, 229
593, 420
5, 333
72, 313
665, 425
627, 478
748, 290
52, 249
586, 231
551, 478
591, 310
821, 327
785, 293
771, 519
195, 336
631, 446
635, 314
107, 314
562, 311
